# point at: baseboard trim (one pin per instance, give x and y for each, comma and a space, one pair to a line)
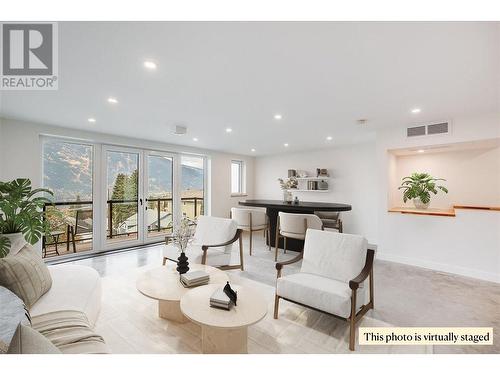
435, 266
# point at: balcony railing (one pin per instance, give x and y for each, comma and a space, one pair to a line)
77, 219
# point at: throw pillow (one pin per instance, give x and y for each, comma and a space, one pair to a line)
26, 275
28, 341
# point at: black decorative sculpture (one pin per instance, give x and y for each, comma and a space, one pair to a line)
230, 293
182, 264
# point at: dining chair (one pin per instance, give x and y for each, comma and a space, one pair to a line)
332, 278
212, 244
251, 220
330, 220
294, 226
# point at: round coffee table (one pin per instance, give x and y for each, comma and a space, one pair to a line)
224, 331
163, 284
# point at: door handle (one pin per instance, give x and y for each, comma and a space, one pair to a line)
140, 200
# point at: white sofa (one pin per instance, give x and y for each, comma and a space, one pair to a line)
73, 288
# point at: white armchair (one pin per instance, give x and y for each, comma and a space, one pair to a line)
212, 244
332, 277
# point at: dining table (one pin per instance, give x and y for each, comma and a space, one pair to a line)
273, 207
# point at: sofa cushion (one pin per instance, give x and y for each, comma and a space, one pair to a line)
334, 255
322, 293
70, 332
28, 341
26, 275
73, 288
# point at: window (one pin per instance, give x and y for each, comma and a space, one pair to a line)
237, 185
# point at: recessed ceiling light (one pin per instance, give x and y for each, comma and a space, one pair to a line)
278, 116
151, 65
285, 144
112, 100
229, 130
253, 150
329, 138
91, 120
421, 151
195, 139
415, 110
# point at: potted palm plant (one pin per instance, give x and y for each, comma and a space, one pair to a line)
21, 215
419, 187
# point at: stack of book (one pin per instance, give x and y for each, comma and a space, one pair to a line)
194, 278
220, 300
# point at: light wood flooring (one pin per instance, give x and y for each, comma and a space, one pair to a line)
404, 296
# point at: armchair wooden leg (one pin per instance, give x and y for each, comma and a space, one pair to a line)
277, 242
284, 245
276, 306
371, 290
241, 252
268, 237
164, 261
352, 322
251, 242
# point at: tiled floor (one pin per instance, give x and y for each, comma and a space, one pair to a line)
404, 296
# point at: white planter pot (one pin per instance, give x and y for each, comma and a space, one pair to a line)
17, 242
418, 204
287, 196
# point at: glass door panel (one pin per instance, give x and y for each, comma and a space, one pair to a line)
192, 186
159, 208
68, 172
123, 213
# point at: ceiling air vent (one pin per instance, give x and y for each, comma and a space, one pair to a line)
441, 128
415, 131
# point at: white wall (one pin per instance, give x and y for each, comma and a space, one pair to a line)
353, 181
20, 156
365, 175
468, 244
472, 176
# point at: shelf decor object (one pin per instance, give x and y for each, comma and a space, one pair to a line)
287, 185
419, 187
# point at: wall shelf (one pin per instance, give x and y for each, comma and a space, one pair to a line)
312, 178
441, 211
428, 211
306, 190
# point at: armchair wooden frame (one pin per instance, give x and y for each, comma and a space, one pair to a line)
265, 230
205, 248
366, 272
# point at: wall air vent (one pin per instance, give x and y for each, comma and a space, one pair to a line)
441, 128
430, 129
415, 131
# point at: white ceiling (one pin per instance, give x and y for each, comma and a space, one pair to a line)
321, 77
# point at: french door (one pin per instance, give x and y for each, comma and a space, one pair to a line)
138, 196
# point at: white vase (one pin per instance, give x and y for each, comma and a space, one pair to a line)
419, 204
17, 242
287, 196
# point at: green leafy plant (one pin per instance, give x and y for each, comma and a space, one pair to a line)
420, 185
21, 210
